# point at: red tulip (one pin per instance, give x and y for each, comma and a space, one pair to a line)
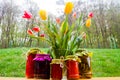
90, 15
42, 35
58, 20
29, 31
36, 29
74, 15
27, 15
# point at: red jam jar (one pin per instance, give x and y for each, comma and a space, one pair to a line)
30, 66
30, 63
72, 67
56, 69
42, 66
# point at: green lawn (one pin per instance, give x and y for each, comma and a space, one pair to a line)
105, 62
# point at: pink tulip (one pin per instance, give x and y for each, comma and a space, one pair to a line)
90, 15
58, 20
74, 15
27, 15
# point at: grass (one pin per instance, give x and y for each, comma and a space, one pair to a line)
105, 62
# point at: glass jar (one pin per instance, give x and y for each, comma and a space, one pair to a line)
30, 66
56, 69
30, 63
85, 68
42, 66
72, 67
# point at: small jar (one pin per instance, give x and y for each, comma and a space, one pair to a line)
56, 69
72, 67
30, 63
42, 66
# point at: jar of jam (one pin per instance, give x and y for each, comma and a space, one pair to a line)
42, 66
56, 69
30, 63
72, 67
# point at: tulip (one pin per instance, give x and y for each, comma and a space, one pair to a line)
36, 29
88, 22
58, 20
42, 35
43, 14
90, 15
74, 15
84, 35
68, 7
27, 15
29, 31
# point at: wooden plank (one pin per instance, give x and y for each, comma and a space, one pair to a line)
96, 78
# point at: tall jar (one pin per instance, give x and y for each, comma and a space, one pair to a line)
29, 62
56, 69
72, 67
42, 66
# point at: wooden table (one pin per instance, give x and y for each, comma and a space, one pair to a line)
95, 78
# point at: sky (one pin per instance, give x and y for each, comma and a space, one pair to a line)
48, 5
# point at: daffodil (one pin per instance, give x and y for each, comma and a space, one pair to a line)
88, 22
43, 14
68, 7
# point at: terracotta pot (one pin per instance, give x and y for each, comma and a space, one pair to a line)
42, 66
56, 69
30, 66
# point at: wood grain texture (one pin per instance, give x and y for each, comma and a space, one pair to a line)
96, 78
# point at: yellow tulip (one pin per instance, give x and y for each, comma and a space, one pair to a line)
88, 22
68, 7
43, 14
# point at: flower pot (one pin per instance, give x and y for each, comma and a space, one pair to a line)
56, 69
30, 66
72, 68
42, 66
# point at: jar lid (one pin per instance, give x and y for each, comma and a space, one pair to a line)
42, 57
73, 57
56, 61
33, 51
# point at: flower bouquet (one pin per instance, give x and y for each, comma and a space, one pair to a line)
63, 38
